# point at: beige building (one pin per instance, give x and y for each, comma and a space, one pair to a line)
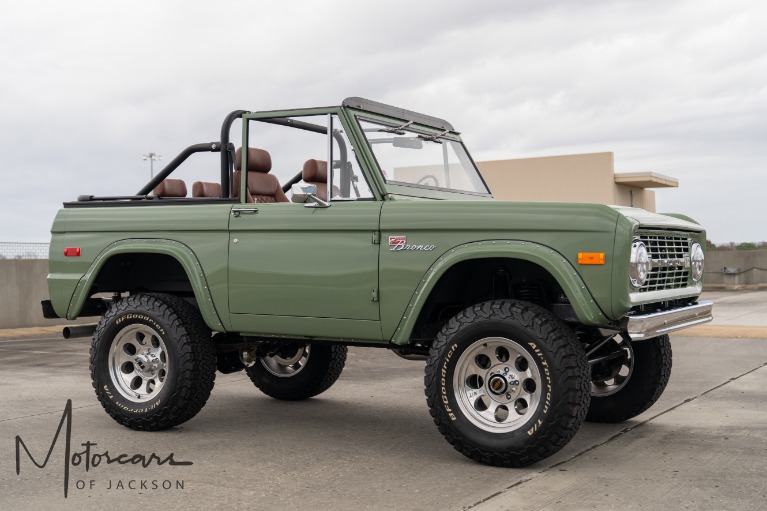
572, 178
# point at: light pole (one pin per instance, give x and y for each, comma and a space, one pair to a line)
152, 157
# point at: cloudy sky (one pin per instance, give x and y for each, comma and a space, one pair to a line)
673, 87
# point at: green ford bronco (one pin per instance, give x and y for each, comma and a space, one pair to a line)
376, 229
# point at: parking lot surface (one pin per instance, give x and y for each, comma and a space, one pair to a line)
369, 442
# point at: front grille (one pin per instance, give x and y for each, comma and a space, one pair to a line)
671, 261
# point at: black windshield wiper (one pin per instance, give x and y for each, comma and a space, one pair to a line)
398, 130
434, 138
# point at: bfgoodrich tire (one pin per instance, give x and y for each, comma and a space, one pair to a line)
507, 383
152, 361
633, 384
298, 371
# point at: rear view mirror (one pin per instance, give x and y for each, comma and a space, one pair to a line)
408, 142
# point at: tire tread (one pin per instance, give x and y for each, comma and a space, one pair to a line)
325, 369
651, 373
196, 365
570, 359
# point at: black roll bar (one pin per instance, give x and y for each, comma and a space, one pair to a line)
227, 156
211, 147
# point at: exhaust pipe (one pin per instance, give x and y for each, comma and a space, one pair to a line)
78, 331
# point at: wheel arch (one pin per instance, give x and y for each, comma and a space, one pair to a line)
551, 264
175, 261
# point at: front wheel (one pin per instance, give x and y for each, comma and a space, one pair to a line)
628, 378
152, 361
507, 383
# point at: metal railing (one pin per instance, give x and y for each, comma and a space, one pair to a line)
11, 250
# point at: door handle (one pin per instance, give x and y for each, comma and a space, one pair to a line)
236, 212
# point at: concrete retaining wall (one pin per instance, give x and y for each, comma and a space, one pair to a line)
23, 286
736, 268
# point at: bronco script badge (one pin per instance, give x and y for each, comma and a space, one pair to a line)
400, 243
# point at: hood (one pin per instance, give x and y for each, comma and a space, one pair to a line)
648, 219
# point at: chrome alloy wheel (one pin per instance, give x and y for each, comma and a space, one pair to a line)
611, 372
497, 384
287, 362
138, 363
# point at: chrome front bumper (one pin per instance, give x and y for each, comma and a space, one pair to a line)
645, 326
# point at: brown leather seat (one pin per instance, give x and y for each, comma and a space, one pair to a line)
205, 189
262, 186
171, 188
315, 172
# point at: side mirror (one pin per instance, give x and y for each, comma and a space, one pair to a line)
307, 194
302, 192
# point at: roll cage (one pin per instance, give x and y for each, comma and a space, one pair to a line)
227, 149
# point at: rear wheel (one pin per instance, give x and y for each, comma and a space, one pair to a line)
152, 361
628, 377
295, 371
507, 383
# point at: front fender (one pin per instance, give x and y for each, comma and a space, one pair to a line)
182, 253
556, 264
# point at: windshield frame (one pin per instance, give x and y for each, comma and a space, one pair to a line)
402, 187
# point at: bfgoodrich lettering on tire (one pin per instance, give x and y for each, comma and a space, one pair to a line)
152, 361
507, 383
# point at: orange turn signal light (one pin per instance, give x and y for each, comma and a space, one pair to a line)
591, 258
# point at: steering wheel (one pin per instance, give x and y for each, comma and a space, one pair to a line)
426, 178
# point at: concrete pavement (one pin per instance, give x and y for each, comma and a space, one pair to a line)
369, 443
737, 315
738, 308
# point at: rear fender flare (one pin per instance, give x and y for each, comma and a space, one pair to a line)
180, 252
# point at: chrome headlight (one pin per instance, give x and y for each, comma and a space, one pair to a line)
696, 262
641, 264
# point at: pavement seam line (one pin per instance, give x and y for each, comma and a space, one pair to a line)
43, 352
44, 413
614, 437
28, 339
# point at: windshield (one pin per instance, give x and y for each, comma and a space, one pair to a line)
411, 157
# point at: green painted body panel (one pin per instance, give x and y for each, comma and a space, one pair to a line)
196, 235
290, 261
560, 230
655, 220
309, 328
61, 282
286, 270
544, 256
167, 246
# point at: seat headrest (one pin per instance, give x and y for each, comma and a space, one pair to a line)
171, 188
258, 160
315, 171
259, 184
204, 189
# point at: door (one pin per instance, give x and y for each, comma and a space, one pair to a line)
304, 271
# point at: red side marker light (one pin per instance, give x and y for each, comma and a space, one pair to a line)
72, 252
